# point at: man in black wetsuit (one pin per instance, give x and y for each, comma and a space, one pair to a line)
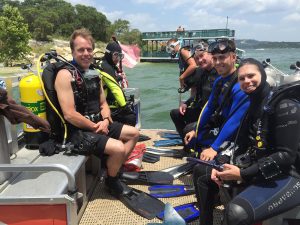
186, 116
267, 160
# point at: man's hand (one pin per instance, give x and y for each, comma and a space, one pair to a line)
181, 81
215, 177
188, 137
208, 154
101, 127
230, 172
182, 108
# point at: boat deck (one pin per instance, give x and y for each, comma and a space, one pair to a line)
103, 209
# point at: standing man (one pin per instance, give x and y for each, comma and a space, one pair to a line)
84, 107
226, 105
187, 64
186, 116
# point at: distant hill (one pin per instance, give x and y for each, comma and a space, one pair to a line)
254, 44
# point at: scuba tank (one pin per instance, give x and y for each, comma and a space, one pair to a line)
294, 76
32, 97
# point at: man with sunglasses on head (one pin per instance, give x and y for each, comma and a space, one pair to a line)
226, 105
186, 116
186, 62
121, 109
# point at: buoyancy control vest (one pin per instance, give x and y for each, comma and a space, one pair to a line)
86, 89
203, 87
286, 91
115, 96
225, 90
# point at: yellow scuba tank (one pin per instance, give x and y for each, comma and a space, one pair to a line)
32, 97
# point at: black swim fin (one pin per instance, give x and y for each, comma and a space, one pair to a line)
165, 143
147, 177
150, 158
141, 203
168, 191
167, 152
143, 137
188, 212
180, 170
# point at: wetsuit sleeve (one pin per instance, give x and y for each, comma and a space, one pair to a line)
236, 114
108, 69
285, 129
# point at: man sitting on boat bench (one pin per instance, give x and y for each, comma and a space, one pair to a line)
90, 127
185, 117
226, 105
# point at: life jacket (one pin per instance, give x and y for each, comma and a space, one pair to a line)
86, 91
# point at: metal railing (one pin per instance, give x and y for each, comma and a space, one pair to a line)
189, 34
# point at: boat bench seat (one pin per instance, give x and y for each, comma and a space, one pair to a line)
33, 184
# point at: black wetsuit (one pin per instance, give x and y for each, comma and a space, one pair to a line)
271, 184
185, 123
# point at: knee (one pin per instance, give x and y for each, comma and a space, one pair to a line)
174, 113
236, 215
199, 171
129, 133
119, 149
135, 133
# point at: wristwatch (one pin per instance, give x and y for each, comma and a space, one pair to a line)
106, 118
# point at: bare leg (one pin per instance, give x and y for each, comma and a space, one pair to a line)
117, 154
129, 136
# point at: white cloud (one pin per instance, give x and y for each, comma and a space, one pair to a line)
114, 15
142, 21
294, 17
147, 1
256, 19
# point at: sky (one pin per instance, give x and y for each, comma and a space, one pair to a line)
263, 20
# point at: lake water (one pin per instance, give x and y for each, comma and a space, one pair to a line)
158, 84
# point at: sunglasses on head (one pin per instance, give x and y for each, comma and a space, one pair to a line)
220, 47
170, 48
200, 47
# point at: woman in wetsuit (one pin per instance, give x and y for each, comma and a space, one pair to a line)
270, 175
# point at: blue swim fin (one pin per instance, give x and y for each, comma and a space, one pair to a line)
171, 217
164, 143
168, 191
188, 212
170, 135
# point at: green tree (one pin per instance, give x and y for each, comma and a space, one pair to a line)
132, 37
14, 36
93, 20
120, 27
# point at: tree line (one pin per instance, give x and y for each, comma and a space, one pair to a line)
43, 20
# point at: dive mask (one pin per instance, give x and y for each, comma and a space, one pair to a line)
221, 47
118, 55
171, 47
